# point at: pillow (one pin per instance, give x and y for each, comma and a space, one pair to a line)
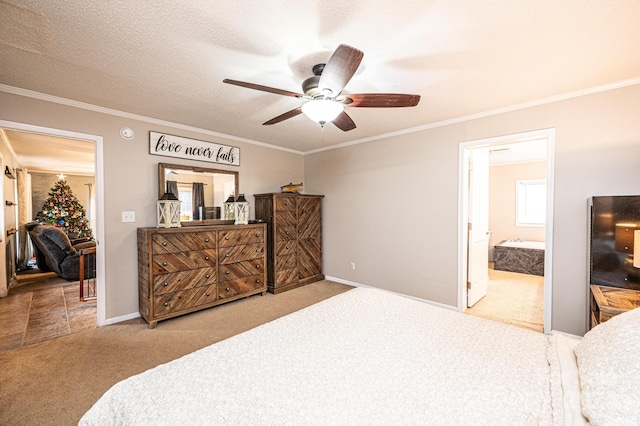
609, 367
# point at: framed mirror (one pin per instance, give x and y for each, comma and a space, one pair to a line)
201, 191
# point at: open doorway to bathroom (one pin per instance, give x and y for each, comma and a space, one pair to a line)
518, 194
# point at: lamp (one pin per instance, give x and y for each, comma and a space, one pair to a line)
242, 210
230, 208
322, 110
624, 237
168, 211
636, 249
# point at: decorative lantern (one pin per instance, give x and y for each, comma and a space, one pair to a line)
230, 208
168, 211
242, 210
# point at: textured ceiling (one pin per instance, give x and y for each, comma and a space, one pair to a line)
166, 59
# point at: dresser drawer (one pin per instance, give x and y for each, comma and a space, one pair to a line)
177, 281
184, 241
284, 233
174, 262
240, 237
285, 204
182, 300
286, 219
286, 276
241, 285
239, 253
286, 247
237, 270
287, 261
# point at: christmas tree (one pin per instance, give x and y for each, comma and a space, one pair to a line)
63, 210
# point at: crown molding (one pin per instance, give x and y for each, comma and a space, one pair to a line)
516, 107
95, 108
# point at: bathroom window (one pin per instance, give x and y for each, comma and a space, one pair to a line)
531, 202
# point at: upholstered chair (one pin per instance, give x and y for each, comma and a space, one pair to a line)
59, 254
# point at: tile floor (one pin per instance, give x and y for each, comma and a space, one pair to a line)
43, 308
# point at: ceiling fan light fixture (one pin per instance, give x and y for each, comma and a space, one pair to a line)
322, 111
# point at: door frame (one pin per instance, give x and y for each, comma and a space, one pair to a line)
463, 213
100, 254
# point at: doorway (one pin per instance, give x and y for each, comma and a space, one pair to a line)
520, 146
95, 210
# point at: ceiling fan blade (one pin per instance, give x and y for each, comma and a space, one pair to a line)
339, 69
262, 88
381, 100
285, 116
344, 122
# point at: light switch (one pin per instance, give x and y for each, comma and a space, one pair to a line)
128, 216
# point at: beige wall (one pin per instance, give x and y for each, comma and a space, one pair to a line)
502, 201
391, 206
130, 180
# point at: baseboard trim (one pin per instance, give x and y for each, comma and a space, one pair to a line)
354, 284
116, 320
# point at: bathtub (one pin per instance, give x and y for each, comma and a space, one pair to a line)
525, 257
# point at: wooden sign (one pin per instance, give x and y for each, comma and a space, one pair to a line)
192, 149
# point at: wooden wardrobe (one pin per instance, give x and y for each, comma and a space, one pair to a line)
294, 238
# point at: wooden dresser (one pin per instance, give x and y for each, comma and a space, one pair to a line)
294, 244
182, 270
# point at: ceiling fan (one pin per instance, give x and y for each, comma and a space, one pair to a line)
322, 92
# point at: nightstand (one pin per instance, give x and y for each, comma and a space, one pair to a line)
607, 302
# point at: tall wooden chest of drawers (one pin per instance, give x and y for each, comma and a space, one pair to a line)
182, 270
294, 243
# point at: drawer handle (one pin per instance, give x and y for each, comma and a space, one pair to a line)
258, 250
206, 240
227, 272
164, 263
257, 235
226, 238
227, 289
287, 247
207, 294
166, 303
166, 284
257, 281
206, 258
257, 266
207, 276
226, 255
287, 232
164, 243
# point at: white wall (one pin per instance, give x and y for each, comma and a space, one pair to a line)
130, 180
391, 205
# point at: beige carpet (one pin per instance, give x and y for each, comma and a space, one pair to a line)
56, 382
512, 298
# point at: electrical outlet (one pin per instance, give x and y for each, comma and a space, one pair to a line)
353, 266
128, 216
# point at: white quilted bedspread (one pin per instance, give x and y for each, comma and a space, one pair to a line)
363, 357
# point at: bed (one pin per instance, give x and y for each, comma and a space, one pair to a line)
371, 357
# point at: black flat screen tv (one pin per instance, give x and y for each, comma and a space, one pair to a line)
613, 222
